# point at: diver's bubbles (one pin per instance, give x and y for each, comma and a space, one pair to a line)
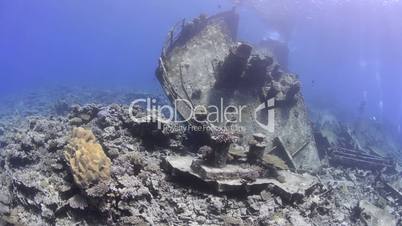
365, 93
273, 35
378, 77
381, 105
363, 64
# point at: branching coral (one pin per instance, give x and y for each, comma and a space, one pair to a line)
88, 162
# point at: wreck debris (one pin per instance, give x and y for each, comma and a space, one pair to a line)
207, 153
283, 152
230, 179
323, 144
301, 148
238, 152
387, 190
374, 216
347, 157
274, 161
273, 164
256, 148
220, 143
227, 173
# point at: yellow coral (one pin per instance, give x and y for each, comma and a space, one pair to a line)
88, 162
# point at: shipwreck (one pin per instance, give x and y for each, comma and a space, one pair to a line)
265, 136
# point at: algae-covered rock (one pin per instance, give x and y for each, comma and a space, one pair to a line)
88, 162
274, 161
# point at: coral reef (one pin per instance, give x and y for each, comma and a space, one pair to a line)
88, 162
36, 186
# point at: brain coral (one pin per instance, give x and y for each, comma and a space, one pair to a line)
88, 162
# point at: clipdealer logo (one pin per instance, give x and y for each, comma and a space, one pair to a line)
163, 114
268, 107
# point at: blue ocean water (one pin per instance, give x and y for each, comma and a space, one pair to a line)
347, 53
